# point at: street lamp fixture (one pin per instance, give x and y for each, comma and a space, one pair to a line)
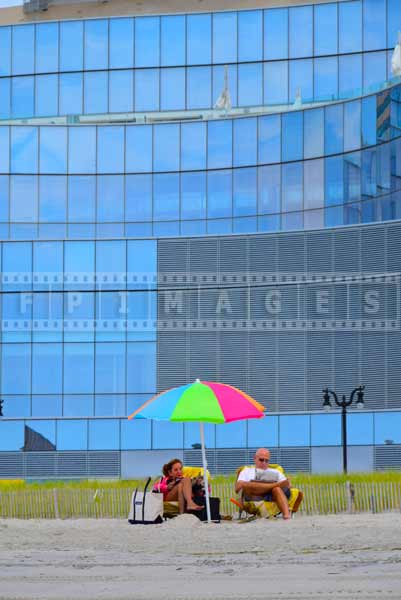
343, 404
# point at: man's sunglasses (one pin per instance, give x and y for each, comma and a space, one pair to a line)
266, 460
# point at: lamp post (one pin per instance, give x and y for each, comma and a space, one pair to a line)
343, 405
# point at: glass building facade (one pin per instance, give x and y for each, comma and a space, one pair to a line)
118, 180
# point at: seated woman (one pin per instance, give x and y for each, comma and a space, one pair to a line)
174, 486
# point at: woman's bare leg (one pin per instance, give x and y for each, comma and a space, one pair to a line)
185, 496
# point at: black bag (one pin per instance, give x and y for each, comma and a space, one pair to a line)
146, 507
214, 508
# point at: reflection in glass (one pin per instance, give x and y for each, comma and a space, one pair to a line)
11, 436
224, 37
276, 33
172, 47
71, 45
167, 435
387, 428
72, 434
292, 135
147, 41
104, 434
269, 139
301, 31
350, 26
276, 82
325, 41
47, 50
294, 430
250, 35
121, 38
325, 430
231, 435
313, 133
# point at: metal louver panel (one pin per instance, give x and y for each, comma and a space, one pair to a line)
387, 457
60, 465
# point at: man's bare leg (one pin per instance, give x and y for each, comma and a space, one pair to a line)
281, 500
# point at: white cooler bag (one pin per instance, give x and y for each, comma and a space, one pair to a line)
146, 507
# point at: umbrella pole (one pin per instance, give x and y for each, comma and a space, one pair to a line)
202, 436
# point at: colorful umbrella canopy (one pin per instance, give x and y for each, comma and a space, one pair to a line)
202, 401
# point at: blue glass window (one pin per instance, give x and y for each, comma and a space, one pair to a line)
244, 192
24, 149
110, 311
192, 435
352, 125
17, 311
313, 184
172, 89
199, 87
71, 46
121, 91
292, 182
374, 24
17, 261
325, 430
172, 40
46, 47
110, 149
146, 90
219, 194
313, 133
167, 435
301, 31
294, 430
326, 78
193, 196
52, 198
269, 189
4, 150
166, 148
96, 92
147, 42
79, 312
5, 50
138, 198
369, 121
276, 33
292, 124
79, 263
350, 26
71, 94
301, 80
47, 313
110, 198
245, 142
16, 369
96, 44
199, 39
121, 34
141, 367
46, 97
139, 149
388, 428
46, 369
350, 75
81, 198
12, 435
219, 76
263, 432
325, 29
110, 368
141, 310
250, 85
72, 435
193, 146
53, 149
142, 264
111, 264
78, 406
113, 405
225, 37
334, 187
269, 139
360, 429
231, 435
136, 434
166, 197
24, 198
4, 198
22, 97
23, 49
276, 82
393, 21
374, 70
334, 134
219, 144
250, 43
15, 406
5, 98
78, 368
104, 434
82, 150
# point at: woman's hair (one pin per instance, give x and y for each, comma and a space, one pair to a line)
168, 466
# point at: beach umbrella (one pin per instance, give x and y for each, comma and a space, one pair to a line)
205, 402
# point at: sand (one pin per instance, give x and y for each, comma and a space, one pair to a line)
309, 558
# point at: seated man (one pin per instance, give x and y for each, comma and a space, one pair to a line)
264, 483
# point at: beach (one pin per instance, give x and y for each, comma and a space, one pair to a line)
348, 556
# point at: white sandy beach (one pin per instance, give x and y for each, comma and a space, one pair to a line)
309, 558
